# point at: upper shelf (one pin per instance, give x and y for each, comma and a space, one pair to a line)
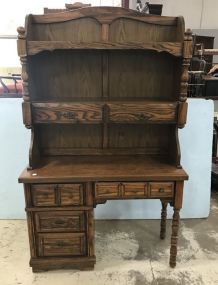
173, 48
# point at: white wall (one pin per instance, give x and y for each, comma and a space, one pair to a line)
14, 145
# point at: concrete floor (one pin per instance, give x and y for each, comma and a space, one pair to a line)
128, 253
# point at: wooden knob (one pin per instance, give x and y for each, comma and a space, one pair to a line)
161, 190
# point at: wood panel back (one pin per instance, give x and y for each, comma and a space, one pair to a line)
66, 75
80, 30
129, 30
154, 75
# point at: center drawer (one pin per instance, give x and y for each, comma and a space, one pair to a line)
57, 244
45, 195
113, 190
60, 221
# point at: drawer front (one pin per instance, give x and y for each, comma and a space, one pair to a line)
58, 244
60, 221
107, 190
71, 194
45, 195
161, 189
113, 190
66, 113
134, 190
143, 112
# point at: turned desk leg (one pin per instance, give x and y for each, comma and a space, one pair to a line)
174, 237
163, 220
175, 222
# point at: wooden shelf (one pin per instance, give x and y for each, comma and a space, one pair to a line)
103, 168
173, 48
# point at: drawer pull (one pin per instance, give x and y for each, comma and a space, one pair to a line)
62, 243
161, 190
142, 117
59, 222
68, 115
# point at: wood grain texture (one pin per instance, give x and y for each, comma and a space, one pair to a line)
174, 237
50, 195
182, 114
60, 221
48, 263
71, 75
57, 244
161, 189
34, 47
103, 92
34, 153
163, 220
66, 113
111, 168
103, 15
84, 30
178, 195
126, 30
147, 112
149, 68
27, 116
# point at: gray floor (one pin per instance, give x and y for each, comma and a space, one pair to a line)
128, 252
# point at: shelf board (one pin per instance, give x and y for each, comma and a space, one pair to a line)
107, 168
173, 48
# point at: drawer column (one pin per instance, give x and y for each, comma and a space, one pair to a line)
60, 225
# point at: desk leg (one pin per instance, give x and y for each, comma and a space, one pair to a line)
163, 220
174, 237
175, 222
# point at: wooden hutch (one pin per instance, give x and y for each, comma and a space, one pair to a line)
104, 93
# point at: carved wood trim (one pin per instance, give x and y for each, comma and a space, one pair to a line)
187, 55
103, 15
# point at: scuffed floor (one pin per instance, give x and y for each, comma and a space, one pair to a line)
128, 253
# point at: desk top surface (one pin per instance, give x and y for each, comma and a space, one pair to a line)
107, 168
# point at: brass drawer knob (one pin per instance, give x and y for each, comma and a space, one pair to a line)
161, 190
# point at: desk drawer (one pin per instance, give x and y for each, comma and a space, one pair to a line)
59, 244
161, 189
113, 190
134, 190
57, 195
107, 190
60, 221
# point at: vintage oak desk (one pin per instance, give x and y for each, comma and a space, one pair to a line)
104, 95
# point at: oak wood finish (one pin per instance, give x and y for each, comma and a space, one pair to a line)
104, 92
163, 220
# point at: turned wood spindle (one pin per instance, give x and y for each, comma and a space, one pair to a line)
163, 220
174, 237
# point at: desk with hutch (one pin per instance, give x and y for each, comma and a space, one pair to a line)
104, 95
